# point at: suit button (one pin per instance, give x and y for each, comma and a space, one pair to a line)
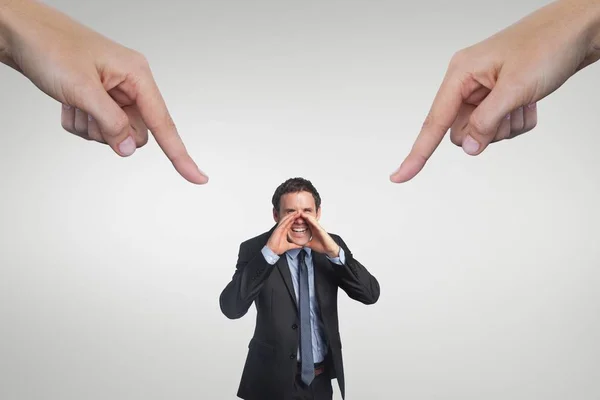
294, 326
292, 356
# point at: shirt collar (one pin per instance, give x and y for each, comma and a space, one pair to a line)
294, 252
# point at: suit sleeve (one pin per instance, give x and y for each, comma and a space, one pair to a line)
354, 279
251, 272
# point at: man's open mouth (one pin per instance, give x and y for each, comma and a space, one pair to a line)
299, 230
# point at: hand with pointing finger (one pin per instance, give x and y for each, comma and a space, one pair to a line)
108, 91
490, 90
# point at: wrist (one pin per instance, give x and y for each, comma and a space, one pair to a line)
270, 248
334, 253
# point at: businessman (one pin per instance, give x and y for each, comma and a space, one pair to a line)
292, 274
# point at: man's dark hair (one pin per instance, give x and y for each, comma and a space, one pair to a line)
295, 185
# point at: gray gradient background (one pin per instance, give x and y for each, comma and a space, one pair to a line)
110, 269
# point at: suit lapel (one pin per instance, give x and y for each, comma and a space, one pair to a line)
284, 269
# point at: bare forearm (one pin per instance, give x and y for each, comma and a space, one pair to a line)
595, 29
584, 15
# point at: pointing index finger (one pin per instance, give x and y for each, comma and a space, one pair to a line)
441, 116
158, 120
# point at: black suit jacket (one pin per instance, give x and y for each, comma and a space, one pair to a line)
271, 364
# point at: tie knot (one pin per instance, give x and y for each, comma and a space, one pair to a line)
302, 255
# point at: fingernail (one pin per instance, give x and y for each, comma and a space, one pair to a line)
532, 105
127, 147
90, 118
470, 146
507, 116
66, 106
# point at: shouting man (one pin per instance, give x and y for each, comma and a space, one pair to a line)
292, 274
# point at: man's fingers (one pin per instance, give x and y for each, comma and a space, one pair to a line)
292, 218
443, 112
311, 220
287, 220
158, 120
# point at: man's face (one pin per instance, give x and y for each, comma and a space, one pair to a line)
300, 232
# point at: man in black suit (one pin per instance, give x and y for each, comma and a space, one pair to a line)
292, 274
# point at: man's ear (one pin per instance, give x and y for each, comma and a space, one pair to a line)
319, 213
275, 215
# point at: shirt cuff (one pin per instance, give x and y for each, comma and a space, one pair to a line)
340, 259
269, 255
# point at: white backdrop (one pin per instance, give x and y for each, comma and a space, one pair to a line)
110, 269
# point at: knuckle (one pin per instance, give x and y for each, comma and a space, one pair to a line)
459, 59
165, 123
138, 68
430, 121
139, 60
